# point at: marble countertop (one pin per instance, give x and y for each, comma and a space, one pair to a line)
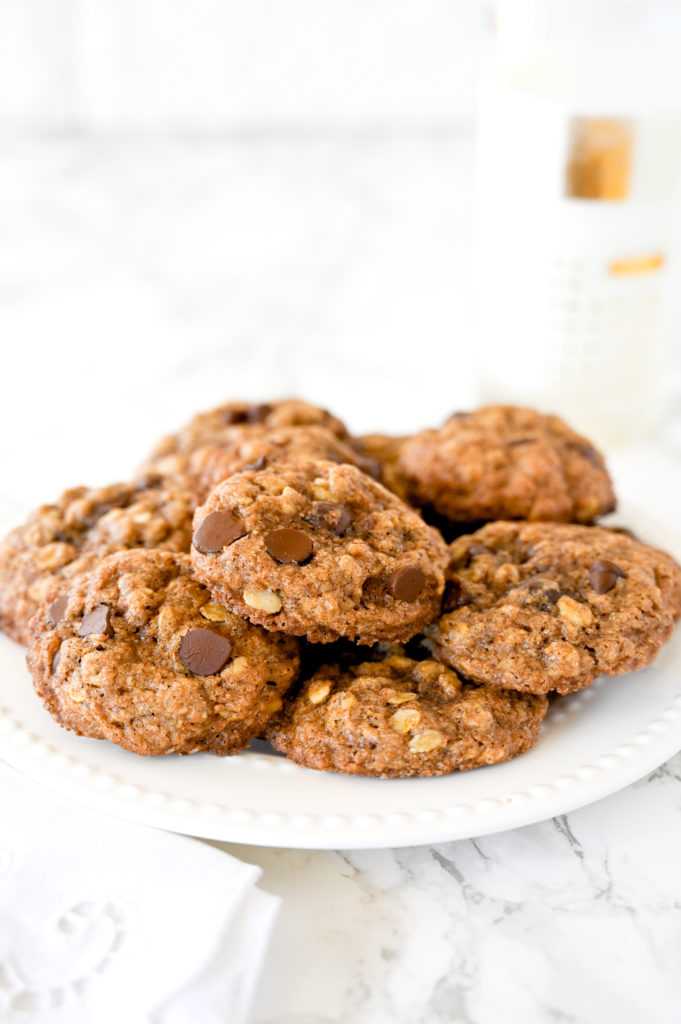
142, 281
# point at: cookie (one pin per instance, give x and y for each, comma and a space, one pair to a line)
399, 717
137, 653
204, 468
319, 550
231, 424
60, 541
548, 606
386, 451
504, 462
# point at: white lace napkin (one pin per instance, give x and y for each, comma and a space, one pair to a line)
105, 922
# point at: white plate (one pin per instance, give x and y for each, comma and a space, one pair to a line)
592, 744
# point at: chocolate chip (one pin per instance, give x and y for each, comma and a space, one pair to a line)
586, 450
603, 575
217, 531
257, 465
327, 516
289, 546
149, 482
258, 413
543, 589
455, 595
55, 612
406, 584
204, 652
96, 621
234, 416
56, 659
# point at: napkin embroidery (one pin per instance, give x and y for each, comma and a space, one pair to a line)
92, 932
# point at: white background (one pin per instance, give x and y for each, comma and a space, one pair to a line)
200, 66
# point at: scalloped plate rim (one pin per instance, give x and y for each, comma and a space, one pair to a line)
82, 770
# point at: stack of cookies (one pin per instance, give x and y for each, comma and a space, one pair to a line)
385, 606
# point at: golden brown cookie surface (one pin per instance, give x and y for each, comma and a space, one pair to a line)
319, 550
71, 536
208, 466
137, 653
550, 606
399, 717
506, 462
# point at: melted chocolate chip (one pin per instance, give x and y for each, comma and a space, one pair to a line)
289, 546
97, 621
259, 464
552, 595
603, 575
327, 516
258, 413
407, 584
204, 652
55, 612
234, 416
56, 659
217, 531
455, 595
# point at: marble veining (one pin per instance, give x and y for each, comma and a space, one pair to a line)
577, 919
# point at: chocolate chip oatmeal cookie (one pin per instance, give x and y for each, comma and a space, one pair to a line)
319, 550
71, 536
547, 606
204, 468
400, 717
137, 653
504, 462
228, 425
